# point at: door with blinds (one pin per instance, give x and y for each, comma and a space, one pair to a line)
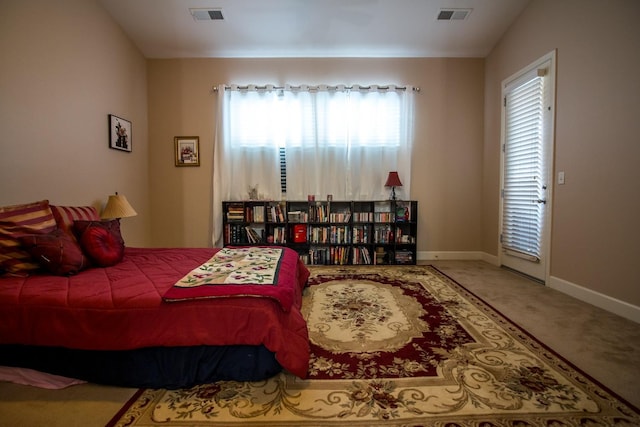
527, 168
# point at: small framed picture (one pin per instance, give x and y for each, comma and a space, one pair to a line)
119, 133
187, 150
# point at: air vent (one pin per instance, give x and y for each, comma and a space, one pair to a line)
207, 14
453, 14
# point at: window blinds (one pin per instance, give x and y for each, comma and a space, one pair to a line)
523, 186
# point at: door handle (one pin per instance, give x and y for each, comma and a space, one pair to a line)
540, 201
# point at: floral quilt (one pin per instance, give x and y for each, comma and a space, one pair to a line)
239, 271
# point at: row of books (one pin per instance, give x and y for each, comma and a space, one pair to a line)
279, 235
254, 213
235, 212
383, 217
383, 234
363, 216
319, 256
404, 257
361, 234
404, 238
253, 236
275, 213
318, 213
339, 216
340, 256
235, 234
326, 256
240, 213
334, 234
361, 255
298, 216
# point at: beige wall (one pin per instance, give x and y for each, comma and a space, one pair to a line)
447, 161
595, 220
65, 66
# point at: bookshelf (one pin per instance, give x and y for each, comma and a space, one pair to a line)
328, 233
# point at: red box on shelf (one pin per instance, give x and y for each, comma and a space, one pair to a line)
299, 233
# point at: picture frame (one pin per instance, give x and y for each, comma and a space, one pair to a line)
120, 133
187, 150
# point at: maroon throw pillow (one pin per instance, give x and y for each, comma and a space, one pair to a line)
57, 252
101, 241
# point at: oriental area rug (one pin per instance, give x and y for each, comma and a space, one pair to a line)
398, 346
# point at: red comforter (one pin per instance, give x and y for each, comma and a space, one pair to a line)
121, 308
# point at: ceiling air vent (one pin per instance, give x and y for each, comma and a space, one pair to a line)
207, 14
453, 14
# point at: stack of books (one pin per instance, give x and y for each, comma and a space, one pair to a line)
253, 236
276, 214
235, 213
404, 257
298, 216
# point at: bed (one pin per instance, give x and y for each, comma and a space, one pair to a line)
131, 324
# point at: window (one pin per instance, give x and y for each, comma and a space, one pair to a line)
279, 118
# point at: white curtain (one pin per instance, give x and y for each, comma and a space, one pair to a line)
337, 140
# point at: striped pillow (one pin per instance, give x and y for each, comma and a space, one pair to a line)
66, 215
16, 221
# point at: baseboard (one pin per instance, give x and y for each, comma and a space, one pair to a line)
491, 259
602, 301
458, 256
449, 255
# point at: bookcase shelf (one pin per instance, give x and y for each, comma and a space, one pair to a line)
327, 233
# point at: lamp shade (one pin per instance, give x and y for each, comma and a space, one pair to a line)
117, 207
393, 180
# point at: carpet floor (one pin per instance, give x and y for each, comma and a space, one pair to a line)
399, 346
598, 342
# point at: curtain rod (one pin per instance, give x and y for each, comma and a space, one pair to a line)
310, 87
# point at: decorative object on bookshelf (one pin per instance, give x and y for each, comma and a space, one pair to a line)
299, 233
253, 192
328, 232
393, 181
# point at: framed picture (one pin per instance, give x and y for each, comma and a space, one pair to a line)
119, 133
187, 150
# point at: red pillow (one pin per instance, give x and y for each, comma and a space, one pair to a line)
101, 241
57, 252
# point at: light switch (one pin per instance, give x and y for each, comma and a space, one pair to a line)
561, 177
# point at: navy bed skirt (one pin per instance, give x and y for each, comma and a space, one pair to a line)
157, 367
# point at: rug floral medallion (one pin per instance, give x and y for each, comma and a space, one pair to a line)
399, 346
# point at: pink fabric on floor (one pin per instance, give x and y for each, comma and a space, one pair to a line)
33, 378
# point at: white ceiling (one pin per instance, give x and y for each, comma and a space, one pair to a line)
314, 28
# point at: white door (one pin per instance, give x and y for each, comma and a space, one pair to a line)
527, 168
